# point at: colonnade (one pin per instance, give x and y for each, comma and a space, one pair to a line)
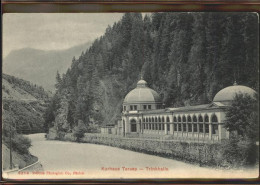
196, 126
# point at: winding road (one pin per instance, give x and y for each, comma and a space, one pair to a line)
89, 161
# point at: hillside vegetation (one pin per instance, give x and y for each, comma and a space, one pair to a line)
19, 89
23, 105
186, 57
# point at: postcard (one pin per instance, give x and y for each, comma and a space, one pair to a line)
160, 95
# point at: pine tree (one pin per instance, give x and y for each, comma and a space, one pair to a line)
136, 43
197, 59
58, 80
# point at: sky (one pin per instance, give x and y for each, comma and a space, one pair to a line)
53, 31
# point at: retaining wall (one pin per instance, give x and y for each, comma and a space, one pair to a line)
201, 153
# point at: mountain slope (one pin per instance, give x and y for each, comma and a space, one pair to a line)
23, 105
40, 66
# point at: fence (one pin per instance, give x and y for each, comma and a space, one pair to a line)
32, 167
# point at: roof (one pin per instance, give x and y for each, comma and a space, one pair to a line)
197, 107
228, 93
142, 94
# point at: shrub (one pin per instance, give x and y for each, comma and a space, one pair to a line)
21, 144
79, 131
238, 152
93, 128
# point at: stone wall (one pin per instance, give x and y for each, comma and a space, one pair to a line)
200, 153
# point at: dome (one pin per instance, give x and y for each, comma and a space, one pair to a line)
228, 93
141, 94
141, 83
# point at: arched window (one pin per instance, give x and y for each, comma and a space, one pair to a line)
206, 118
201, 128
124, 126
156, 119
200, 119
195, 128
175, 127
179, 119
206, 128
167, 119
189, 118
183, 118
146, 119
194, 119
159, 119
214, 119
184, 127
189, 127
162, 119
143, 119
179, 127
152, 119
174, 119
133, 125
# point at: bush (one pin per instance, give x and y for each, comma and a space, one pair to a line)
93, 128
21, 144
238, 152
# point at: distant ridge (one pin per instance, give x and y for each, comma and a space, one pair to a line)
40, 66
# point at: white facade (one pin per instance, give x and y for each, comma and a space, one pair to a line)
196, 122
143, 115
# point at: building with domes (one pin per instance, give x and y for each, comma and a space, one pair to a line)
143, 115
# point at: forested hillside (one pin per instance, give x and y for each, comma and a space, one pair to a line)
186, 57
19, 89
23, 105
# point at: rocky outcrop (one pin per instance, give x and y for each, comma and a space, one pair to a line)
61, 123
